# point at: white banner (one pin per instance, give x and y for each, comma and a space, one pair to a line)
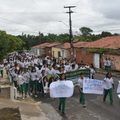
118, 88
93, 86
61, 89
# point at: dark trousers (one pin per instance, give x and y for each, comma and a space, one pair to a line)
1, 72
82, 98
106, 92
62, 104
41, 88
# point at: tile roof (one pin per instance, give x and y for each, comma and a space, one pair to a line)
107, 42
65, 45
80, 44
53, 44
43, 45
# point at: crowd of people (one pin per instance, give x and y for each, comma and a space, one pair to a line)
32, 75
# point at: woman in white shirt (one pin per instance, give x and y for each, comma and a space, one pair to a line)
108, 87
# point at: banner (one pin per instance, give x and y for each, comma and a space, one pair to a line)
61, 89
118, 88
76, 73
93, 86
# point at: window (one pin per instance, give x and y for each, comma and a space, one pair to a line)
59, 54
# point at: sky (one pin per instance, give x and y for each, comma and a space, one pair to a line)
49, 16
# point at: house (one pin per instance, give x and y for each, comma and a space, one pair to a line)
44, 49
108, 47
39, 50
61, 50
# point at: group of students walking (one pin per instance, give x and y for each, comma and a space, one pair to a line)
33, 75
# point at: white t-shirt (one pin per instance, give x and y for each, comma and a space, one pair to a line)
33, 76
20, 79
26, 77
67, 67
107, 84
80, 82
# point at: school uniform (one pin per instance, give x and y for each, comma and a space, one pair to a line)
20, 81
108, 88
33, 77
26, 76
82, 95
92, 72
62, 102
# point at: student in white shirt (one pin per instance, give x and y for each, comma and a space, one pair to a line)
82, 95
26, 76
108, 87
21, 81
92, 71
33, 77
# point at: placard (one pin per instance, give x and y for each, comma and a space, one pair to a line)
61, 89
118, 88
93, 86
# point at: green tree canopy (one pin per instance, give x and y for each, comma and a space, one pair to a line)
86, 31
9, 43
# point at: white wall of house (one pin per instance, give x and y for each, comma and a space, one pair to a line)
96, 60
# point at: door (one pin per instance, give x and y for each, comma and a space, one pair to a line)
97, 60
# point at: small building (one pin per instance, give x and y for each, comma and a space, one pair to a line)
61, 50
44, 49
108, 47
39, 50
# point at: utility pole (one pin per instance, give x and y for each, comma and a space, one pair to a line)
70, 29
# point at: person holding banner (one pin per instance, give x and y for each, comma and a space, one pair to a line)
108, 87
82, 95
62, 100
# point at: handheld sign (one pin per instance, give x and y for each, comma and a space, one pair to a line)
61, 89
92, 86
118, 88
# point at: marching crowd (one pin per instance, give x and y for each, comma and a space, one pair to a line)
32, 75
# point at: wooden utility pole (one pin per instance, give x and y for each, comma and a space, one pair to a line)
70, 27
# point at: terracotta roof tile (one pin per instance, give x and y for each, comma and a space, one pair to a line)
80, 44
43, 45
107, 42
53, 44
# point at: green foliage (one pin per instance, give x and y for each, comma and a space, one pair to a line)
105, 34
9, 43
85, 31
32, 40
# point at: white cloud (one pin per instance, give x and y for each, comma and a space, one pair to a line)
32, 16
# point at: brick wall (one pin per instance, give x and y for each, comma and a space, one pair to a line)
115, 61
84, 55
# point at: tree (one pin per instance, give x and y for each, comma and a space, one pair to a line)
9, 43
105, 34
86, 31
